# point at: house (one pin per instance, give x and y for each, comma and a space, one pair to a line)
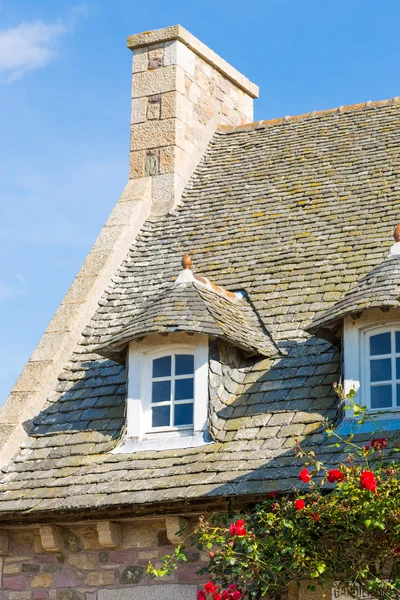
242, 272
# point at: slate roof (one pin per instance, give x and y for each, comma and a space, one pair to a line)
294, 212
193, 308
380, 288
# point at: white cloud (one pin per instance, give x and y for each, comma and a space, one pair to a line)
31, 46
28, 46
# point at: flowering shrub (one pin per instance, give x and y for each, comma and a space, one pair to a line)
339, 524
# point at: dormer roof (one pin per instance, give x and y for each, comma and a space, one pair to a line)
192, 304
380, 288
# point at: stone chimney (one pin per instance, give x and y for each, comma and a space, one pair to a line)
181, 91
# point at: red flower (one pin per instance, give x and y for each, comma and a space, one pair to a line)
299, 504
238, 528
210, 587
216, 596
272, 494
366, 447
239, 522
335, 475
201, 595
315, 517
368, 481
211, 555
274, 507
232, 586
396, 551
378, 443
305, 476
236, 595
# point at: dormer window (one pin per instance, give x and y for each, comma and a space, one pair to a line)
367, 320
165, 349
382, 368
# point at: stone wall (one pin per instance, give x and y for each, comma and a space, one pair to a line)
83, 570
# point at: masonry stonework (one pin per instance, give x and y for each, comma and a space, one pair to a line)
181, 90
83, 570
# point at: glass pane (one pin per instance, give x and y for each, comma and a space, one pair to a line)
379, 344
398, 394
184, 389
161, 391
381, 396
381, 369
160, 416
397, 341
397, 368
162, 366
183, 414
184, 364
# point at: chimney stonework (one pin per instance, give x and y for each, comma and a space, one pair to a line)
181, 91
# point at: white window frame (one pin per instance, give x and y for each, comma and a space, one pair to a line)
356, 334
139, 377
366, 364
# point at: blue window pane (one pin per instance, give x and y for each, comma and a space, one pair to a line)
381, 369
162, 366
397, 368
160, 416
184, 364
184, 389
381, 396
161, 391
183, 414
379, 344
397, 341
398, 394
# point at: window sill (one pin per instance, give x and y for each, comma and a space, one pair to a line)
131, 445
388, 422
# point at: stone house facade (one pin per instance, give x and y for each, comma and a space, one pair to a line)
168, 386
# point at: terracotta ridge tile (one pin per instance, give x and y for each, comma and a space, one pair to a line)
282, 120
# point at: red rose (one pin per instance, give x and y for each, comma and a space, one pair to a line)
216, 596
305, 476
232, 586
201, 595
366, 447
299, 504
211, 555
225, 595
274, 507
335, 475
237, 528
210, 587
315, 517
368, 481
236, 595
378, 443
272, 494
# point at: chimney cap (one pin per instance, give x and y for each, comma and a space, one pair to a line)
177, 32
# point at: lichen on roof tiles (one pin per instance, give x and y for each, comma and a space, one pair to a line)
293, 213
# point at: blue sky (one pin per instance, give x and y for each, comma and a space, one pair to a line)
64, 115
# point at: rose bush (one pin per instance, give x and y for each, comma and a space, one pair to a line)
338, 524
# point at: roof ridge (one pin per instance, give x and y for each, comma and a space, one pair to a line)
282, 120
